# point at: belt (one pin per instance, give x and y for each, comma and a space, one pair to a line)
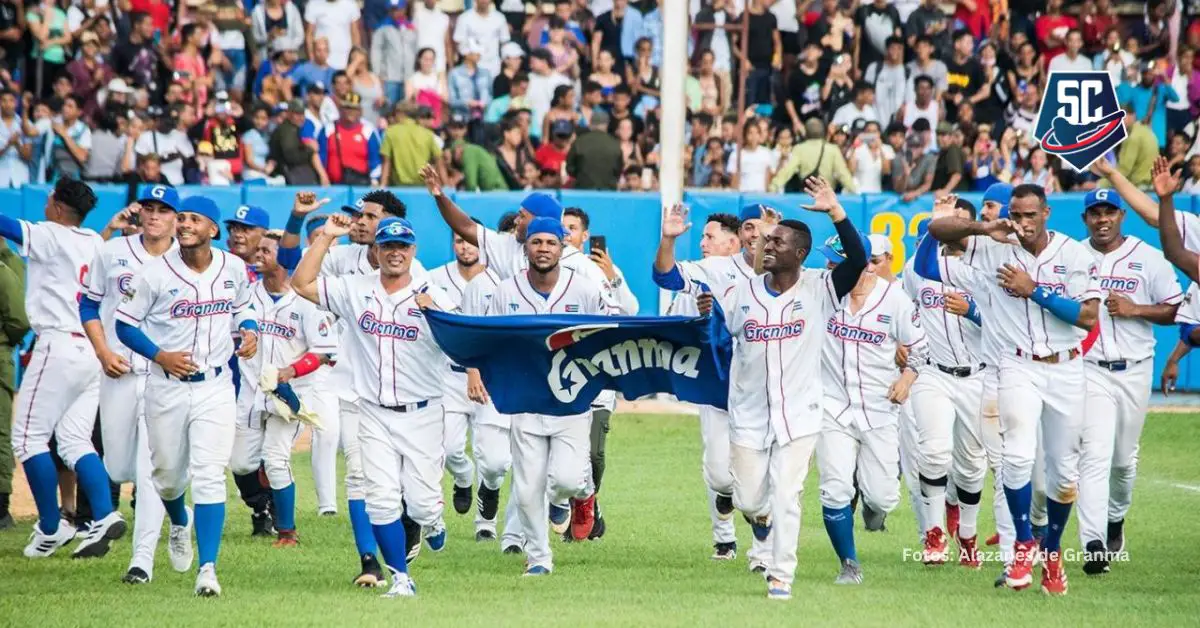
1053, 358
408, 407
458, 369
959, 371
197, 377
1118, 365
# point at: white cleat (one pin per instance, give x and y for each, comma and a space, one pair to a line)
99, 536
402, 585
851, 573
206, 581
42, 545
179, 548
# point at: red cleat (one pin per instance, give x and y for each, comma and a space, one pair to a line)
583, 517
1020, 572
936, 547
993, 539
968, 554
1054, 577
952, 520
287, 538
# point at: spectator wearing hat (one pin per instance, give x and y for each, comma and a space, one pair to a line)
89, 74
815, 156
951, 162
407, 147
116, 93
277, 25
169, 140
349, 149
512, 57
471, 84
394, 51
543, 81
296, 158
257, 165
485, 30
1149, 98
594, 160
913, 169
317, 69
336, 21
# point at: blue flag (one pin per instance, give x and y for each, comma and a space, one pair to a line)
557, 364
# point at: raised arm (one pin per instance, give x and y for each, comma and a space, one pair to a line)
846, 275
954, 228
458, 220
304, 279
674, 224
1165, 185
289, 245
1142, 204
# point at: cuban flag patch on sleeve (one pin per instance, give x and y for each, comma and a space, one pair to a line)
571, 309
1135, 266
415, 312
1059, 269
884, 318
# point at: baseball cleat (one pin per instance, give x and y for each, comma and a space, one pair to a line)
1002, 579
484, 536
488, 502
43, 545
936, 549
724, 551
778, 589
724, 505
436, 538
136, 575
1020, 573
993, 539
100, 535
262, 524
412, 538
583, 517
536, 570
560, 518
402, 585
1054, 577
513, 549
873, 520
287, 538
599, 528
206, 581
1097, 559
1116, 536
951, 520
327, 512
760, 526
851, 573
179, 545
462, 499
758, 568
372, 573
968, 553
1039, 533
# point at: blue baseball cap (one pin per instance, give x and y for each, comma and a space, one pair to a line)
1102, 196
314, 223
543, 206
541, 224
395, 230
164, 194
250, 216
999, 193
835, 252
203, 206
751, 212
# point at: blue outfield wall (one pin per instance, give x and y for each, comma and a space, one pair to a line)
630, 221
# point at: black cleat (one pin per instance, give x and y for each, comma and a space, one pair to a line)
262, 524
462, 499
412, 537
724, 504
372, 573
488, 502
598, 527
485, 536
1116, 536
724, 551
513, 549
1097, 559
136, 575
873, 521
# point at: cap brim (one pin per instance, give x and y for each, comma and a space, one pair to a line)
235, 221
409, 241
150, 199
350, 209
1102, 203
832, 255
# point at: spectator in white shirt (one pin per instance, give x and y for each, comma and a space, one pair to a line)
1113, 58
871, 160
339, 22
861, 108
923, 105
170, 142
751, 168
1072, 60
488, 29
433, 31
543, 80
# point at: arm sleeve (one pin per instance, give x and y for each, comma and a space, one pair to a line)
625, 297
137, 340
1185, 334
89, 309
1164, 286
670, 280
332, 296
925, 261
910, 333
13, 230
846, 275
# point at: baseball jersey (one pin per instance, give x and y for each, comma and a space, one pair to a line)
1140, 272
110, 279
476, 296
1189, 228
1189, 309
288, 328
719, 272
573, 294
59, 260
182, 310
452, 283
393, 357
859, 355
953, 340
958, 275
1064, 267
775, 387
505, 255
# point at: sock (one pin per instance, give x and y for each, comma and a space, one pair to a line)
1058, 515
952, 495
364, 537
968, 514
176, 510
251, 491
391, 545
1019, 501
92, 479
933, 500
285, 507
43, 483
839, 524
210, 523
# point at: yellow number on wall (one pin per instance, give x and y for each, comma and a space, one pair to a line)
891, 224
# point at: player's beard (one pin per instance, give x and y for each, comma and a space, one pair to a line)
543, 270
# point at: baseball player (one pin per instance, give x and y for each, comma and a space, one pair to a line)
718, 273
1188, 320
178, 316
549, 452
1046, 295
122, 389
59, 392
859, 441
453, 278
776, 383
401, 414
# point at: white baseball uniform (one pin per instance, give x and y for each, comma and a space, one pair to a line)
190, 423
550, 453
60, 390
399, 378
859, 433
775, 395
122, 407
459, 410
1119, 368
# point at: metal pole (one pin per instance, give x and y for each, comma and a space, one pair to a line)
673, 116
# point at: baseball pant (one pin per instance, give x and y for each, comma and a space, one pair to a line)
714, 437
279, 436
1115, 413
148, 513
771, 483
59, 396
325, 447
598, 438
119, 420
846, 453
949, 443
550, 460
191, 429
907, 428
402, 461
458, 464
248, 435
1052, 395
993, 445
1037, 508
349, 415
493, 459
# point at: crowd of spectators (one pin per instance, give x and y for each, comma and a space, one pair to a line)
910, 96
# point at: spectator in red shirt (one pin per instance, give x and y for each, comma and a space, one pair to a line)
551, 155
975, 16
221, 131
1051, 30
350, 149
158, 10
1096, 17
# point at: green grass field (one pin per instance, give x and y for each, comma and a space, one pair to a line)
652, 568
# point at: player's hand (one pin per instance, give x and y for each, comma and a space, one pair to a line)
1165, 183
675, 221
114, 365
824, 199
124, 219
957, 304
898, 392
901, 356
605, 263
1170, 374
249, 344
946, 205
1103, 168
1119, 306
424, 301
475, 389
307, 203
433, 180
1016, 280
177, 363
704, 303
337, 226
1000, 229
285, 375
